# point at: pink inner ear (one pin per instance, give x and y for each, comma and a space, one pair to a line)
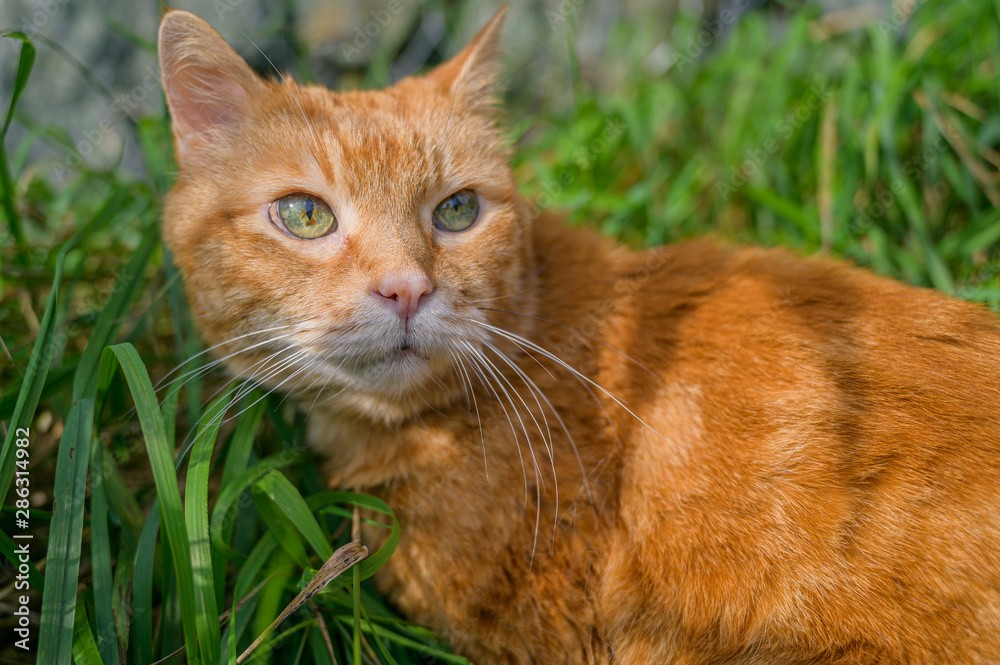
202, 98
208, 85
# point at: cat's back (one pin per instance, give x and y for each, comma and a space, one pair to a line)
794, 331
816, 473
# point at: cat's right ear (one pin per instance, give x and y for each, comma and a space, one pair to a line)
209, 87
472, 75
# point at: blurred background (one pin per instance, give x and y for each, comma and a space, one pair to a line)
865, 130
93, 53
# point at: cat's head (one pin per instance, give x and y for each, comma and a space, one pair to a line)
341, 241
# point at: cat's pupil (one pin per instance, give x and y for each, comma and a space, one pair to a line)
309, 211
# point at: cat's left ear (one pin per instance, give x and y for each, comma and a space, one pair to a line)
473, 74
210, 89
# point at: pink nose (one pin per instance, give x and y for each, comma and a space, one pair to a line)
403, 292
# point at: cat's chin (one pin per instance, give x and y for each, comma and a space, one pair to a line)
403, 370
378, 409
391, 388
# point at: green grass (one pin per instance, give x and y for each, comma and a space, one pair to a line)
879, 145
882, 172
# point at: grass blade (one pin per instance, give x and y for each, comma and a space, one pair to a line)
223, 515
122, 596
57, 379
142, 588
287, 499
237, 455
241, 444
161, 459
100, 557
356, 595
55, 636
787, 209
196, 519
24, 65
85, 651
25, 61
285, 533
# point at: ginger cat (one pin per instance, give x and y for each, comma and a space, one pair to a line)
695, 454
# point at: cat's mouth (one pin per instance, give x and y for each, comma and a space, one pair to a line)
390, 365
404, 354
406, 351
407, 347
406, 362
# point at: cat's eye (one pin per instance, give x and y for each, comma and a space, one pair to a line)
457, 212
304, 215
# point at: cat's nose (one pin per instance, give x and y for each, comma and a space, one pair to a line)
403, 292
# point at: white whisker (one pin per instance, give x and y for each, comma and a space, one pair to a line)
205, 369
535, 392
522, 342
159, 384
325, 383
476, 363
509, 295
577, 331
249, 386
528, 380
475, 402
488, 365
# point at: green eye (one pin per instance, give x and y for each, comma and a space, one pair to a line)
457, 212
304, 216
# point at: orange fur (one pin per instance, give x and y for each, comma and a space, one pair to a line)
756, 458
